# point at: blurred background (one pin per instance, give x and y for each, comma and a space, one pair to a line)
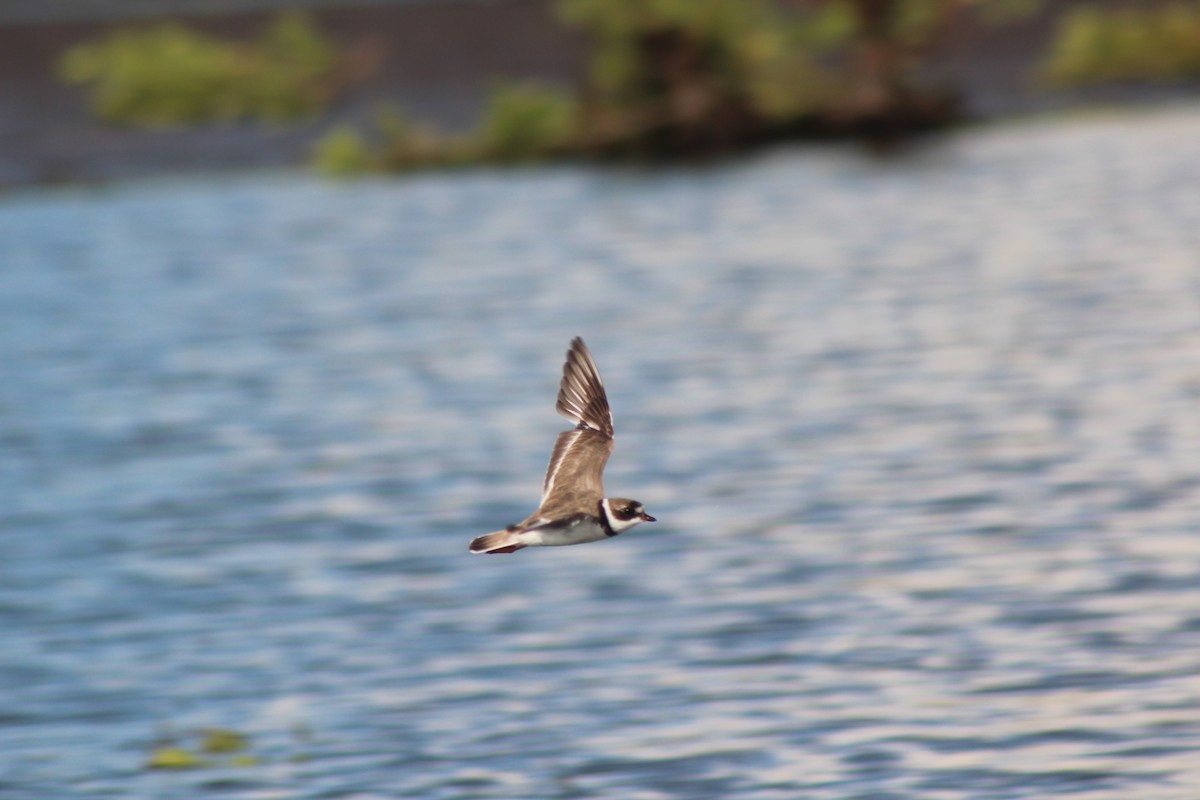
898, 307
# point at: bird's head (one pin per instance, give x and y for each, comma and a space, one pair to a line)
623, 513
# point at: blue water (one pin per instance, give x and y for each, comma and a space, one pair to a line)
923, 437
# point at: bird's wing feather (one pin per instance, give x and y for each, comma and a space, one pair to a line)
581, 396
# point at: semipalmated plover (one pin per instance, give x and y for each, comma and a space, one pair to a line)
574, 509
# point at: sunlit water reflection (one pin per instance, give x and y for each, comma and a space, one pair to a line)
923, 436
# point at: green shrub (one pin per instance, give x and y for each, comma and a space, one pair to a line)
732, 42
342, 151
169, 74
1096, 45
524, 121
748, 65
521, 122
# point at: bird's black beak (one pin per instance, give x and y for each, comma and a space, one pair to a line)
647, 518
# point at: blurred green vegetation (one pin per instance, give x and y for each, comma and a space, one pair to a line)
212, 747
342, 151
664, 77
524, 121
521, 122
217, 748
1094, 45
746, 69
169, 74
222, 740
637, 44
174, 758
688, 77
708, 71
395, 144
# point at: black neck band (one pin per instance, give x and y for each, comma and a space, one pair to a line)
604, 523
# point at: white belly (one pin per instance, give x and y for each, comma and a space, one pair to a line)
577, 533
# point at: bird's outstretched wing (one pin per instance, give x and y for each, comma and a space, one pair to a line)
581, 397
575, 474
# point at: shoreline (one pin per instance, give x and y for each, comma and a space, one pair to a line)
438, 60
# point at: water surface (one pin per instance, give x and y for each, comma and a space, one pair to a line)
923, 437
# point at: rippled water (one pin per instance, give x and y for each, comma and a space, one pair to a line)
923, 437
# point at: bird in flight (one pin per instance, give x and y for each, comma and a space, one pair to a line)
574, 509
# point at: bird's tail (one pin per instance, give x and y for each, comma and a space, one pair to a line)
498, 542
